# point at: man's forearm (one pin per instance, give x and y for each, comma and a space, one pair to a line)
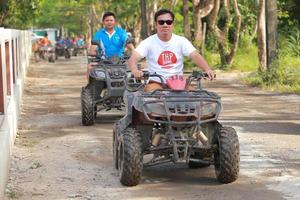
202, 64
199, 61
132, 65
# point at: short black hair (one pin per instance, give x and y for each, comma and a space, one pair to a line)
162, 12
45, 34
107, 14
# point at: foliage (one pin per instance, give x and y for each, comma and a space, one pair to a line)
285, 78
19, 14
246, 59
55, 14
127, 12
288, 13
289, 41
75, 16
248, 9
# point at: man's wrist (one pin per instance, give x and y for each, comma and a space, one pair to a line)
134, 70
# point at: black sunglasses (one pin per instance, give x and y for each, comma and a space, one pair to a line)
162, 22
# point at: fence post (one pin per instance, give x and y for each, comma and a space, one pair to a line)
3, 69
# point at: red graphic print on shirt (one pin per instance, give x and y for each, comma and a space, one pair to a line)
166, 59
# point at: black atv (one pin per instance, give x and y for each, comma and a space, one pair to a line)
61, 50
74, 50
105, 88
173, 125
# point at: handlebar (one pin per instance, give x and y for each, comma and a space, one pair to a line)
112, 60
194, 75
199, 75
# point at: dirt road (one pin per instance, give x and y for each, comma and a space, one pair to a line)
57, 158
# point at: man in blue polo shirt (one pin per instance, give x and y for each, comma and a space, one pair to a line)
113, 39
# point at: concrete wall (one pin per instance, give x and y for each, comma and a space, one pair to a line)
15, 47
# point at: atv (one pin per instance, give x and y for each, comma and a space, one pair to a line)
173, 125
105, 88
62, 50
81, 50
47, 53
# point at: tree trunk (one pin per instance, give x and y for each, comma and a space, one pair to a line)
200, 10
90, 24
212, 22
137, 30
3, 11
227, 49
236, 36
96, 17
271, 27
254, 32
261, 36
2, 17
197, 23
144, 19
186, 23
150, 16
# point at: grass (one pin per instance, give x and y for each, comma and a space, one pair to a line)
285, 78
246, 59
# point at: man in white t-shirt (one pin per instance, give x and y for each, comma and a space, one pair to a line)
164, 52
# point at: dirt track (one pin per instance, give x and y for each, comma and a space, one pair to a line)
57, 158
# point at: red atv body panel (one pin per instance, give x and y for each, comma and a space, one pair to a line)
176, 82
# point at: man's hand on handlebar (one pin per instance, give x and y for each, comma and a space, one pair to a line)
138, 74
210, 74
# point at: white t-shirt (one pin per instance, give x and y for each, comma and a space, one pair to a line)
165, 58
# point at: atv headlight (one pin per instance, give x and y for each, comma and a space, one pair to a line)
208, 109
155, 108
98, 74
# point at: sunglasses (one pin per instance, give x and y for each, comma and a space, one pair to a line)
162, 22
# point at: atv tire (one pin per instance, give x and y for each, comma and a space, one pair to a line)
130, 157
87, 107
67, 55
51, 59
227, 156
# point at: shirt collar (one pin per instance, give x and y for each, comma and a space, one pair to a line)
110, 35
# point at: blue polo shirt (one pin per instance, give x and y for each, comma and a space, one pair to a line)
113, 46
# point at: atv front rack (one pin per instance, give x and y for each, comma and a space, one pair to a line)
181, 107
113, 74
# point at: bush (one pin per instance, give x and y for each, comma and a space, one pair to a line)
283, 76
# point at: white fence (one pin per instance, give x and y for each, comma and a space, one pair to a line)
15, 50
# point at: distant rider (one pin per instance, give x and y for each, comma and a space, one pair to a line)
44, 41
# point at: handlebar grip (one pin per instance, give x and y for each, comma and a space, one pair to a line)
146, 74
205, 75
198, 74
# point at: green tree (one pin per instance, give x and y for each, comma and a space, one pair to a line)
19, 14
